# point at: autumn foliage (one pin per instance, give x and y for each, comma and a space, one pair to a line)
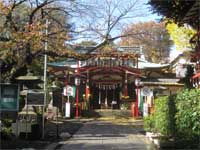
22, 33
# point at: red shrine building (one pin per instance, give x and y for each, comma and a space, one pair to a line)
112, 78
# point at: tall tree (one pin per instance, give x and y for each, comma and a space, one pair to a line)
154, 39
22, 28
103, 20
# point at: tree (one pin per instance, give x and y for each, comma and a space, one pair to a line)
155, 40
103, 20
22, 26
174, 10
180, 36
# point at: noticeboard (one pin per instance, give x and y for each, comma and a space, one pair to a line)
9, 97
35, 98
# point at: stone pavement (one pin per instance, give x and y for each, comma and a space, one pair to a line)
104, 135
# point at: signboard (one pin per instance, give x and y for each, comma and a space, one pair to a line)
35, 98
57, 98
69, 91
67, 110
9, 97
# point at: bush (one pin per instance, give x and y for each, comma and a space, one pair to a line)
149, 123
7, 122
164, 115
188, 113
6, 133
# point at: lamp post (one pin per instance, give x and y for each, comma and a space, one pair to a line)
77, 83
137, 83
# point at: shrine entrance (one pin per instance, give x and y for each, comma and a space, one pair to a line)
105, 97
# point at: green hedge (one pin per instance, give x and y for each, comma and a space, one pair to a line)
177, 116
164, 115
188, 113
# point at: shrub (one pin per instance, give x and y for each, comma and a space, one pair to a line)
6, 133
164, 115
188, 113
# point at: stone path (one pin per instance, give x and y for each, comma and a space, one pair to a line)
104, 135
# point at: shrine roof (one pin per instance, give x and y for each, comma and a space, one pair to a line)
113, 52
119, 49
72, 63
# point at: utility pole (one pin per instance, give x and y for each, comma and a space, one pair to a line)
45, 78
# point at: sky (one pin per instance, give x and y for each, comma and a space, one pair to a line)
140, 9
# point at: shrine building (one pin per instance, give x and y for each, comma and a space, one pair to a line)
111, 77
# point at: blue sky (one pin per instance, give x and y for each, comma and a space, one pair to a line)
141, 8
